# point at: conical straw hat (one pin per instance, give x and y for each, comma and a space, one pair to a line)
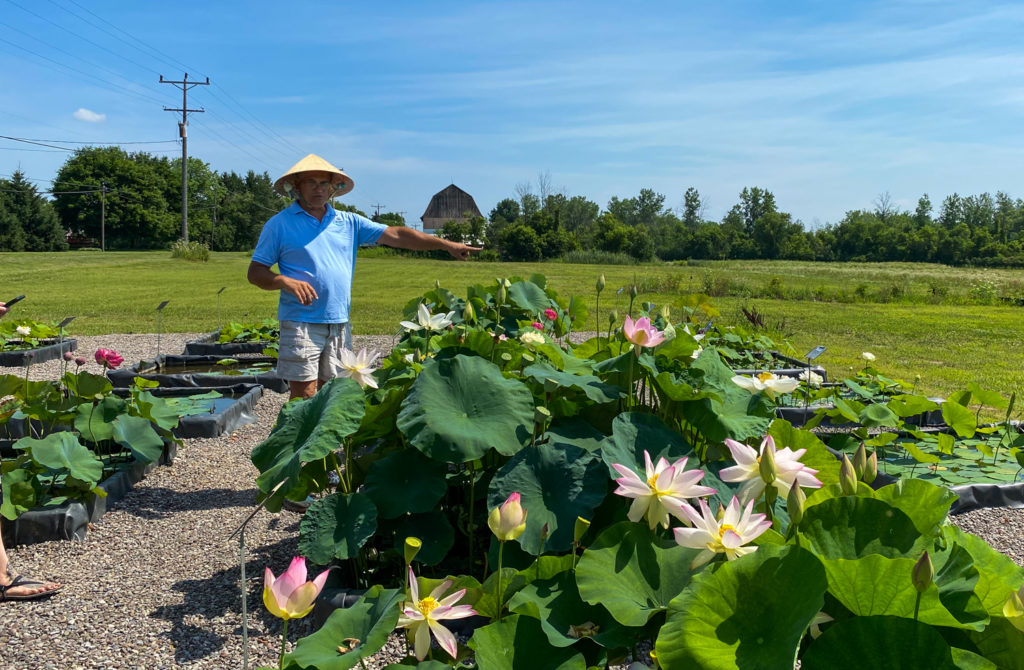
313, 163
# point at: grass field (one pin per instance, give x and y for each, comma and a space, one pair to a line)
933, 322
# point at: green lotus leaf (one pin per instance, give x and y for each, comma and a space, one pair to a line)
918, 455
925, 503
433, 529
877, 585
557, 483
93, 420
138, 436
422, 665
817, 455
405, 482
905, 406
847, 408
379, 419
959, 418
87, 385
370, 621
336, 526
732, 412
595, 389
576, 432
985, 397
636, 432
632, 572
956, 577
1001, 643
460, 407
306, 431
63, 451
158, 410
528, 296
749, 613
21, 492
518, 643
998, 575
565, 618
852, 527
874, 416
886, 642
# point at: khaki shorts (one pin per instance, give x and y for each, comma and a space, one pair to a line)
309, 351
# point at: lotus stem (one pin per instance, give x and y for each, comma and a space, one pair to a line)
337, 469
917, 604
284, 638
498, 594
629, 387
597, 318
472, 499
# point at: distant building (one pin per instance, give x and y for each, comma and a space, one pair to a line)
450, 204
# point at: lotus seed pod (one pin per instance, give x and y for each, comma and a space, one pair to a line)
580, 529
847, 477
600, 283
541, 415
550, 385
795, 503
923, 573
469, 314
412, 547
871, 471
860, 461
766, 464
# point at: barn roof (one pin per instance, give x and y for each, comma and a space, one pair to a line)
449, 204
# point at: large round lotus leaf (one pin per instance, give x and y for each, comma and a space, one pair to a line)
887, 642
852, 527
633, 573
557, 483
336, 527
406, 482
369, 621
749, 613
460, 407
591, 385
925, 503
433, 529
138, 436
817, 455
518, 643
62, 451
530, 297
636, 432
998, 575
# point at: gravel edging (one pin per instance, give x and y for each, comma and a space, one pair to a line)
155, 583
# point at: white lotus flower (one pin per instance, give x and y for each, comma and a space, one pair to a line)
868, 356
788, 468
24, 331
661, 491
726, 535
812, 378
698, 337
424, 320
531, 337
423, 617
767, 382
696, 352
359, 367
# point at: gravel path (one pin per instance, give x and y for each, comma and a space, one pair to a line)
155, 584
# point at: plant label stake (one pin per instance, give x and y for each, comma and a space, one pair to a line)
219, 322
159, 324
60, 328
810, 356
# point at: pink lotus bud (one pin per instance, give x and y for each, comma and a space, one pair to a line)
68, 356
508, 521
80, 361
538, 325
550, 314
290, 596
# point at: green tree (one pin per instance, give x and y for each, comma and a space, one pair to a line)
12, 237
507, 210
35, 214
521, 243
390, 219
693, 208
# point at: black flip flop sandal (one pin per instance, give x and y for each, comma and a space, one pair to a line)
23, 582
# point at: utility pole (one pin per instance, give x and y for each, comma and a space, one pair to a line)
376, 214
184, 85
103, 216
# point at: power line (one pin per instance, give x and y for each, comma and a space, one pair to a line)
36, 139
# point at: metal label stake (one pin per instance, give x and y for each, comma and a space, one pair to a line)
60, 329
159, 324
810, 356
220, 323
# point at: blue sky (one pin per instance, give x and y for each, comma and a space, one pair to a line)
825, 104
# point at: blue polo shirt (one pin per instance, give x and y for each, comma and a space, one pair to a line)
322, 253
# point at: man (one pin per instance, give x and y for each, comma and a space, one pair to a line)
314, 247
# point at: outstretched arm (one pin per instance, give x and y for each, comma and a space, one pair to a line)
401, 237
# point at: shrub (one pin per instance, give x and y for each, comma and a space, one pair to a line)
597, 257
190, 251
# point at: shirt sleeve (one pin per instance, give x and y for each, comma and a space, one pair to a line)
267, 248
367, 231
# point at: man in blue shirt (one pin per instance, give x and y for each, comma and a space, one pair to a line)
314, 247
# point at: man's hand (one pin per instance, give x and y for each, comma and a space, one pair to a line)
3, 309
305, 293
461, 251
261, 275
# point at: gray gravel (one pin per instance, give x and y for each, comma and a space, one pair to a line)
155, 583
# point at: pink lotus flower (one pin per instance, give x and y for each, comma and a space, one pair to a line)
290, 596
661, 491
538, 325
422, 617
726, 535
550, 314
508, 521
642, 333
108, 358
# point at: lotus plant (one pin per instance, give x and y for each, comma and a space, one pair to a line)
108, 358
531, 337
727, 534
359, 367
423, 617
641, 333
767, 382
662, 490
290, 596
426, 321
24, 331
507, 522
788, 470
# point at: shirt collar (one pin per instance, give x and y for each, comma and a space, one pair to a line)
296, 210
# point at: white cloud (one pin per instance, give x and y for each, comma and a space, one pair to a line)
89, 116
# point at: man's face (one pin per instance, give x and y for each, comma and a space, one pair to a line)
315, 188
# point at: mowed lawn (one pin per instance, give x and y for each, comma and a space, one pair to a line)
948, 345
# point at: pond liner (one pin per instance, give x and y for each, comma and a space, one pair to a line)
53, 349
70, 521
793, 368
209, 346
798, 416
152, 369
239, 413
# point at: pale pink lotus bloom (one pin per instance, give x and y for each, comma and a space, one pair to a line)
642, 333
789, 469
767, 382
550, 314
662, 490
359, 367
108, 358
727, 535
290, 596
422, 617
508, 520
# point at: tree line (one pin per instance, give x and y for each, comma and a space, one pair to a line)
136, 198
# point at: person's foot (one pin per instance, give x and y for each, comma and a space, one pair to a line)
19, 587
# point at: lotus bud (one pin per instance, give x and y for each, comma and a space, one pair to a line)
502, 294
1013, 609
860, 461
437, 284
469, 314
666, 311
412, 547
847, 477
613, 316
508, 521
633, 291
647, 306
580, 529
923, 573
545, 533
766, 464
600, 284
80, 361
550, 385
68, 356
541, 415
871, 471
795, 502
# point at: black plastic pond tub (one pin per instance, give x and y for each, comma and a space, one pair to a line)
49, 351
162, 370
237, 414
209, 346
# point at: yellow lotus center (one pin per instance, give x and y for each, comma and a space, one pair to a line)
765, 376
652, 482
716, 545
726, 527
427, 605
